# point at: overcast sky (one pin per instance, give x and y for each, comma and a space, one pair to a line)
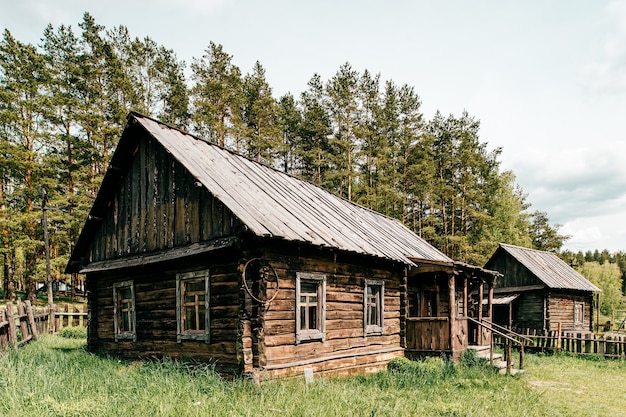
547, 79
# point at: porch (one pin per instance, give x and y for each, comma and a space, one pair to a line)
441, 298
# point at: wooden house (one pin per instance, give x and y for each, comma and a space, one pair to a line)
192, 251
540, 291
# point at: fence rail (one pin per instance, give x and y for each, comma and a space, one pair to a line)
21, 322
608, 345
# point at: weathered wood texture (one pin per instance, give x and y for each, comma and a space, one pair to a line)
514, 273
21, 323
346, 347
158, 205
608, 345
560, 309
155, 309
528, 310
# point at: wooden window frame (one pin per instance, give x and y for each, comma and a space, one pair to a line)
181, 281
579, 320
374, 328
121, 334
319, 333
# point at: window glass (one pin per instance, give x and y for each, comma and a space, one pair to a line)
124, 311
310, 308
373, 307
192, 306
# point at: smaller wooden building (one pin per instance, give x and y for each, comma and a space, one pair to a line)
538, 290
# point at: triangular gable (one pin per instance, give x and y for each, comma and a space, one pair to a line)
548, 268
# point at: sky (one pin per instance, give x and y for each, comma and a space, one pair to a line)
546, 79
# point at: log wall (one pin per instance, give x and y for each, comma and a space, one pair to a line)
528, 310
155, 309
345, 349
561, 310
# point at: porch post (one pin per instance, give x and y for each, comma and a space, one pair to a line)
452, 310
480, 312
465, 296
490, 305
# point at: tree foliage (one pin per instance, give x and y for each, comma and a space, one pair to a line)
608, 277
63, 105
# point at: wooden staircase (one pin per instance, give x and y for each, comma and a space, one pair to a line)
498, 359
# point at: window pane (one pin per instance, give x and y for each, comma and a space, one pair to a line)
190, 318
201, 319
125, 293
312, 317
195, 286
308, 287
303, 322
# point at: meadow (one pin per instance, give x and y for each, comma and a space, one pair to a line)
56, 376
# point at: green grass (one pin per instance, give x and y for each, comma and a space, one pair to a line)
57, 377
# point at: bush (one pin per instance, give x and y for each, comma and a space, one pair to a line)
73, 333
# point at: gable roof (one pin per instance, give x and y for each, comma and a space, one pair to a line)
271, 203
549, 268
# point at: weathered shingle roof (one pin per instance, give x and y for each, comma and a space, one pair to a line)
273, 204
549, 268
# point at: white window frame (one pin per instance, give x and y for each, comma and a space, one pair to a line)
319, 333
181, 280
119, 333
376, 328
579, 320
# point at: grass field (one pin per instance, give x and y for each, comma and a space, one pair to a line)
57, 377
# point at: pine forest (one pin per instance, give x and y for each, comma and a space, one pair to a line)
64, 102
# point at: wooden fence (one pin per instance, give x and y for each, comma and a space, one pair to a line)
21, 322
607, 345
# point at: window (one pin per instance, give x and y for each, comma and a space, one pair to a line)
373, 306
579, 313
124, 311
310, 306
192, 306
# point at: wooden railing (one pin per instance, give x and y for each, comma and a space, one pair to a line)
510, 338
21, 322
428, 334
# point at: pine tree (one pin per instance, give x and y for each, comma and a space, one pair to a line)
260, 115
313, 148
343, 105
216, 96
21, 108
290, 122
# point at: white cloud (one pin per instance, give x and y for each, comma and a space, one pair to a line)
203, 7
608, 74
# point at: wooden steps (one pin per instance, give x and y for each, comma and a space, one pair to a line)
498, 359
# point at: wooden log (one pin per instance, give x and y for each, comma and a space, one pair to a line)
57, 320
75, 317
23, 319
31, 320
66, 309
12, 327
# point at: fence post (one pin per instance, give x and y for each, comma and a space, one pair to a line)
31, 320
12, 328
66, 317
75, 317
509, 352
558, 338
23, 320
52, 319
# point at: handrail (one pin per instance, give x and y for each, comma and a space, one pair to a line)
509, 339
531, 341
495, 330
